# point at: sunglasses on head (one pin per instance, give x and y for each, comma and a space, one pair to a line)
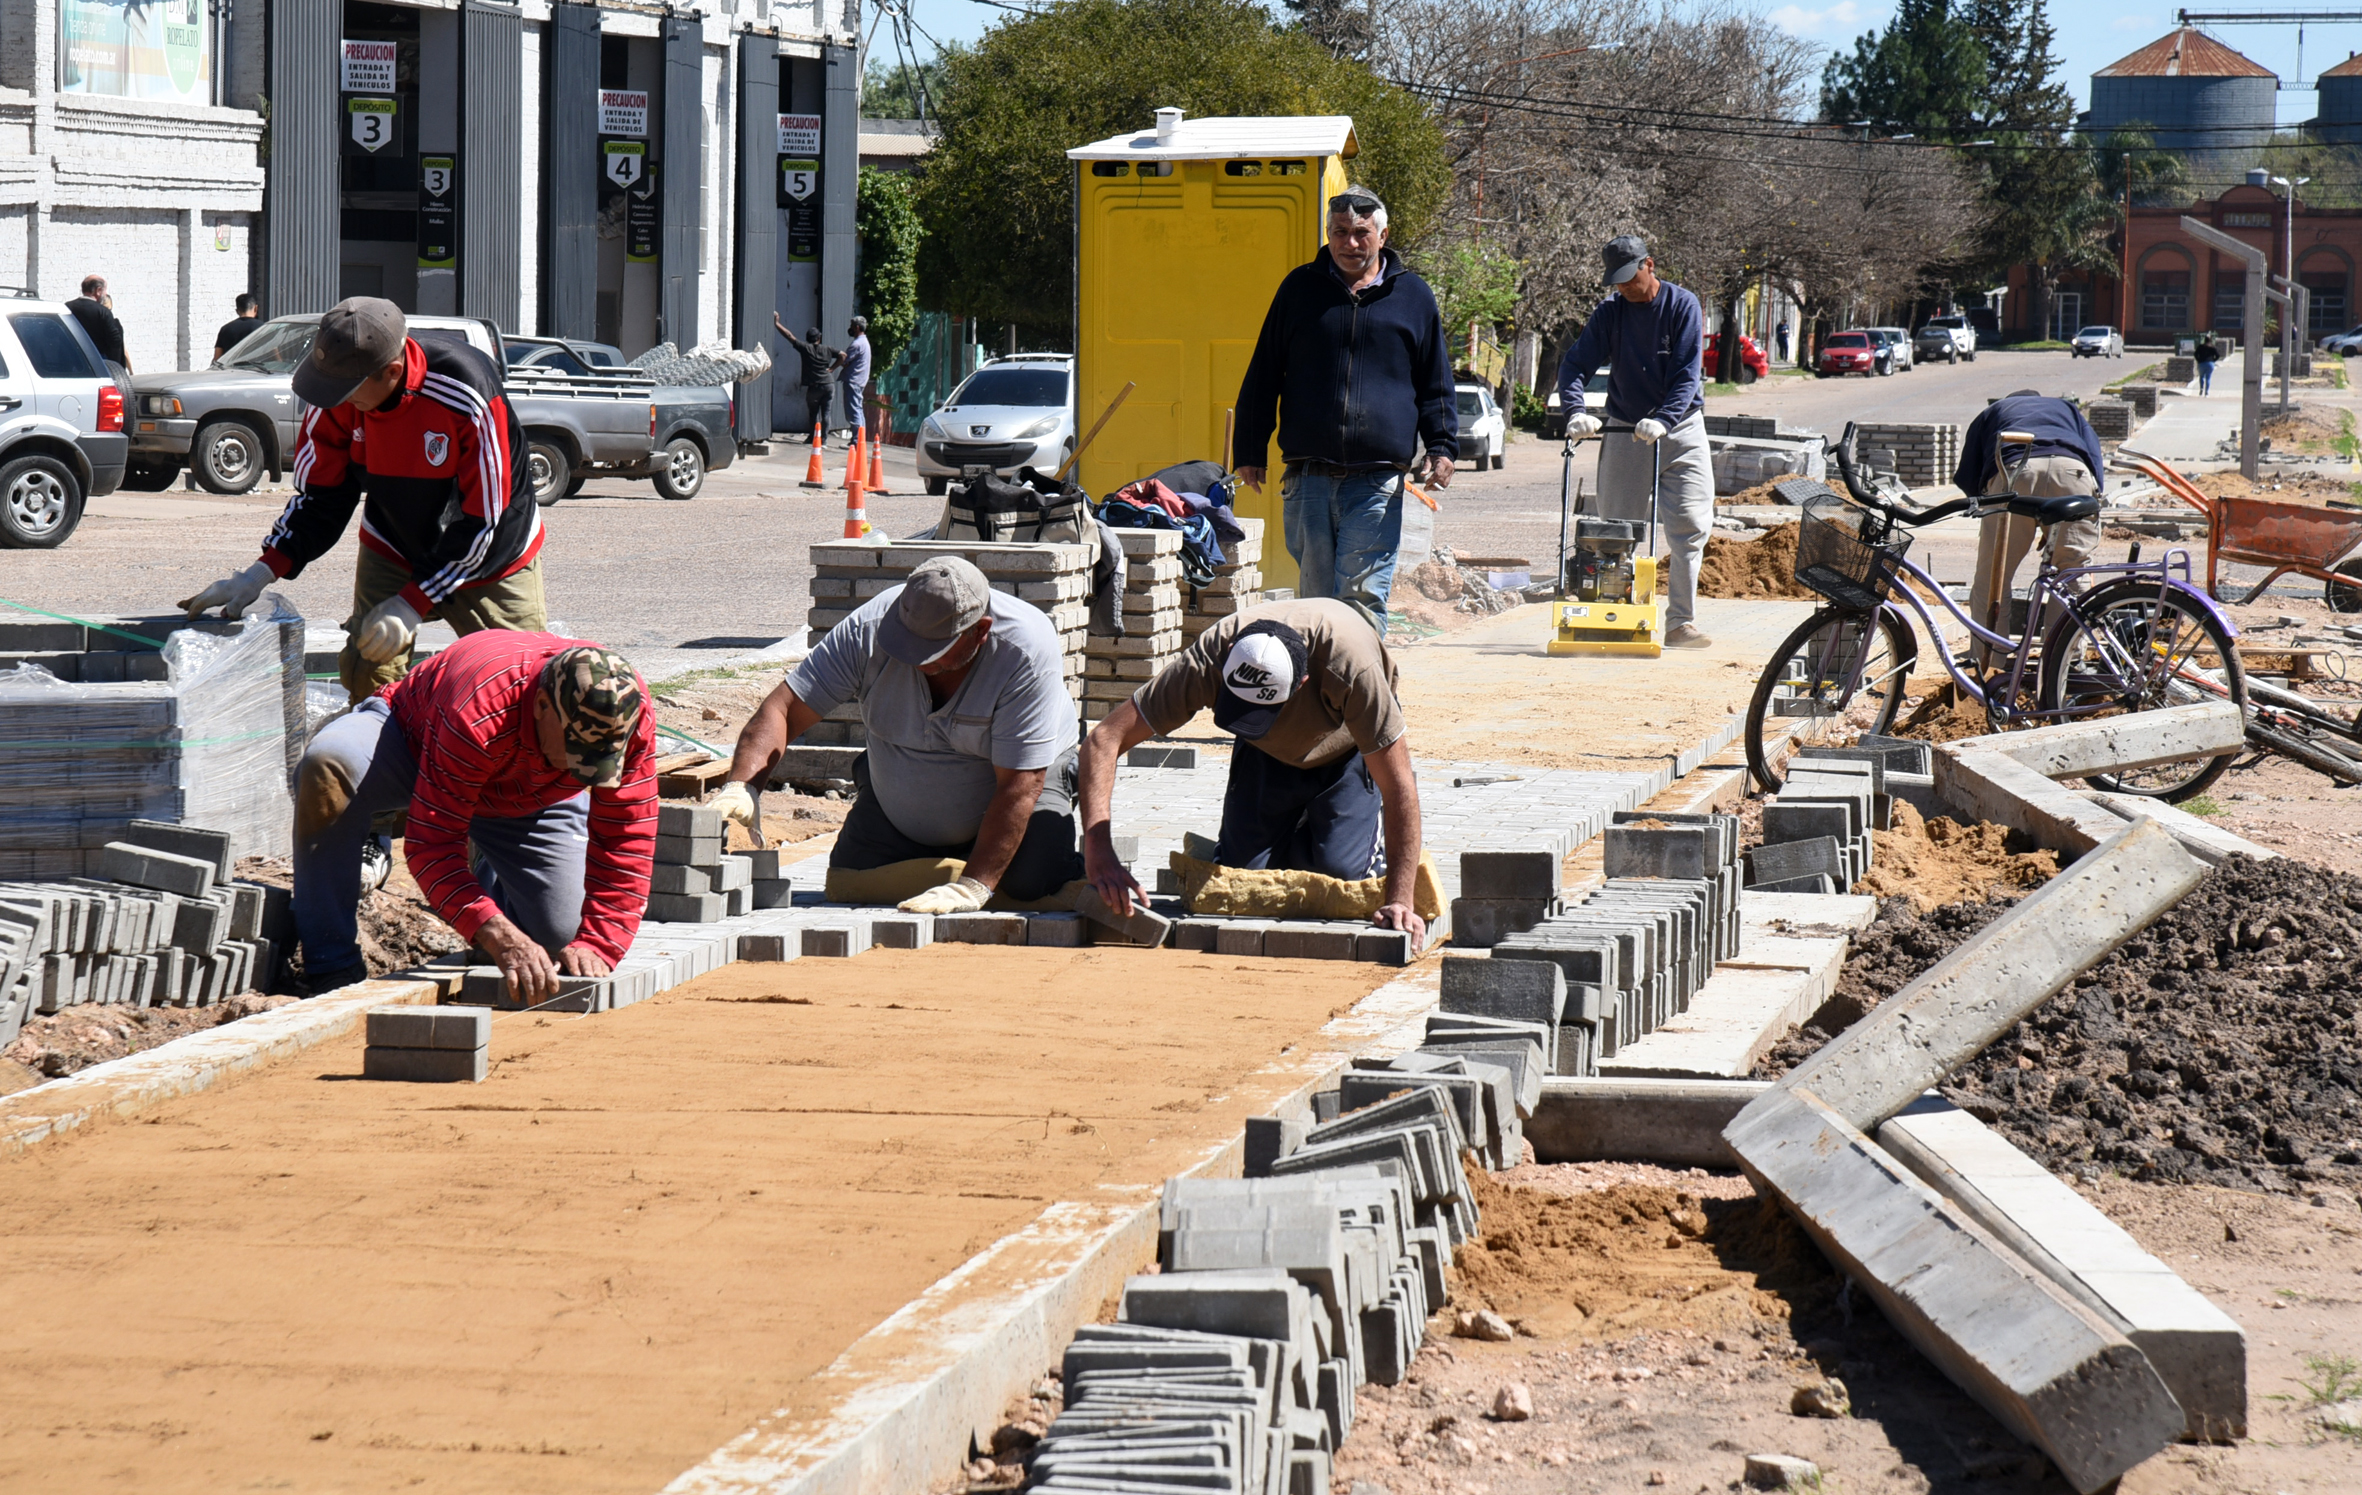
1359, 204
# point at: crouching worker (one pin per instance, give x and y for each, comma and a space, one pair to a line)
1320, 780
527, 764
966, 789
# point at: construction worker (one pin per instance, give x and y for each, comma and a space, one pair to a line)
970, 755
2062, 460
819, 363
449, 528
1651, 336
1320, 779
527, 764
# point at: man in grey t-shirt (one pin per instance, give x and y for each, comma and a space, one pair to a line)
971, 738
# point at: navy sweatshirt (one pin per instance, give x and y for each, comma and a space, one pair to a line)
2058, 429
1363, 380
1651, 350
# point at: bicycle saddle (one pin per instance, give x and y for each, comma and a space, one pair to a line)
2059, 510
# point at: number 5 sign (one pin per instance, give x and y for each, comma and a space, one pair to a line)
372, 123
799, 182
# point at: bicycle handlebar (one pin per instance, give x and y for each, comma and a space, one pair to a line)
1864, 494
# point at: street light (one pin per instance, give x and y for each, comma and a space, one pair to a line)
2288, 268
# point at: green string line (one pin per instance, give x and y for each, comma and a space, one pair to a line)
138, 638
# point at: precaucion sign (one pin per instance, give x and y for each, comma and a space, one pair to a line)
623, 111
799, 134
368, 67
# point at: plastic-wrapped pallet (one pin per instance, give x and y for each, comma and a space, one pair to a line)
1236, 586
205, 743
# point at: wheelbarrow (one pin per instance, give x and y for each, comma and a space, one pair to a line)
2308, 539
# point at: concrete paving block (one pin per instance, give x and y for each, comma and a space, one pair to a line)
1142, 926
685, 908
736, 871
1683, 851
688, 820
1525, 874
2013, 965
1678, 1123
1836, 760
1819, 885
689, 851
1268, 1139
1522, 1060
737, 903
433, 1066
1196, 934
1481, 923
892, 932
145, 867
1785, 861
1803, 820
2051, 1370
1240, 936
1055, 931
1386, 947
672, 877
183, 840
1161, 755
1307, 940
1903, 755
2196, 1347
771, 893
1529, 991
980, 929
841, 938
1252, 1303
430, 1027
1360, 1088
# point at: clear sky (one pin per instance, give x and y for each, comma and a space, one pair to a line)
2090, 36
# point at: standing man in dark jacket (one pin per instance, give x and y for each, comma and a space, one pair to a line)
95, 310
450, 529
1353, 355
819, 361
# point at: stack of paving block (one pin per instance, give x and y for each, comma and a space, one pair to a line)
2111, 420
1297, 939
1924, 455
1507, 891
1816, 830
693, 882
1237, 584
429, 1044
1113, 668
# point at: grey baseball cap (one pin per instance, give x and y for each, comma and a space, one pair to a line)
1623, 255
942, 600
357, 337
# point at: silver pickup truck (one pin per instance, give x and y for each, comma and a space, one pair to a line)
231, 423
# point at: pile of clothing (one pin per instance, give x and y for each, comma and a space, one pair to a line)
1192, 497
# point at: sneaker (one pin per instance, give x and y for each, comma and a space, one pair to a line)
1687, 636
377, 864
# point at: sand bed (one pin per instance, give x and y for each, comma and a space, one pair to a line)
639, 1235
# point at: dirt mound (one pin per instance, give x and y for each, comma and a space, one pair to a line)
1944, 715
74, 1038
1634, 1257
1940, 861
2301, 488
1764, 567
398, 930
2219, 1046
2305, 428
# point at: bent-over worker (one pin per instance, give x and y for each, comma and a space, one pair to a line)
971, 738
2062, 461
1320, 780
1651, 336
491, 745
449, 528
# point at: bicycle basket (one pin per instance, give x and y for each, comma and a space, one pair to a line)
1848, 553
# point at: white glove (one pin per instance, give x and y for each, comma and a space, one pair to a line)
232, 594
962, 895
1648, 432
387, 631
1580, 426
735, 803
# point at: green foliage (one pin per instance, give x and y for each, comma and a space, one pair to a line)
886, 287
1527, 408
1924, 74
892, 90
1472, 283
2331, 1379
997, 196
2203, 804
2129, 158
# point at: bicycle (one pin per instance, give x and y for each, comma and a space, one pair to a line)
2124, 637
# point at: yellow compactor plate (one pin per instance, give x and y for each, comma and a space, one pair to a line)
1634, 628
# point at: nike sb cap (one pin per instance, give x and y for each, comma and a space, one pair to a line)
357, 337
1266, 665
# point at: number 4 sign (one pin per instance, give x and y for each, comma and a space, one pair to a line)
626, 162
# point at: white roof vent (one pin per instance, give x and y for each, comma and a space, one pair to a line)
1167, 121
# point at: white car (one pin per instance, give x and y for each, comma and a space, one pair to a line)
1899, 339
1484, 431
2097, 342
2344, 343
1013, 412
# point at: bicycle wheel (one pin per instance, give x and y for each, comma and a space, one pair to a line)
1839, 675
2137, 648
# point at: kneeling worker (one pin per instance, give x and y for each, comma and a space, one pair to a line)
971, 742
490, 745
1322, 764
2063, 460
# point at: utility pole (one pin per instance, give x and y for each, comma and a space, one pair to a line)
2288, 276
2251, 340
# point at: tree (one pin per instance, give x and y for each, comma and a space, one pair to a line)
997, 196
1474, 284
2022, 91
886, 287
893, 90
1925, 74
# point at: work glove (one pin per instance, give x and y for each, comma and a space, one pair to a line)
962, 895
1580, 426
1648, 431
387, 631
232, 594
734, 803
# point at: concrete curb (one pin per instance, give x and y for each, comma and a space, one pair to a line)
199, 1061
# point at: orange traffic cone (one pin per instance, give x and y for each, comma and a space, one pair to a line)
853, 462
877, 468
856, 509
813, 477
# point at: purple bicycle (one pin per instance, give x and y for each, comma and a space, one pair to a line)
2115, 639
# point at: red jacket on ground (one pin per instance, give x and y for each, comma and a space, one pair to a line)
467, 715
443, 464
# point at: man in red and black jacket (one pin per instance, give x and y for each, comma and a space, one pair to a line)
537, 753
449, 529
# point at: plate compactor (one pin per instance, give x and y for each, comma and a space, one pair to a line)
1608, 600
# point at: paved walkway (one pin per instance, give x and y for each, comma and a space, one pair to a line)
2189, 427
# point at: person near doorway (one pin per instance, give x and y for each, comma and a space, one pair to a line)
819, 362
2209, 353
95, 310
240, 327
1780, 341
855, 375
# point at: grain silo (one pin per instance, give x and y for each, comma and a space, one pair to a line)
2340, 119
2195, 95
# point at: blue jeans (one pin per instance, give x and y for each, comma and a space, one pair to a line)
360, 766
2205, 377
1344, 531
853, 397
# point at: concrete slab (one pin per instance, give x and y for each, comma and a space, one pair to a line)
2203, 839
1983, 785
1640, 1120
2071, 750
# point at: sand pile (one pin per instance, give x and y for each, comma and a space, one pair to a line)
1940, 861
1944, 715
1764, 567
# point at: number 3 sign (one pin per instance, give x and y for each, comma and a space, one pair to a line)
372, 123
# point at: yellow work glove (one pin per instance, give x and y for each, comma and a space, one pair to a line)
387, 630
962, 895
735, 803
1648, 432
1580, 426
232, 594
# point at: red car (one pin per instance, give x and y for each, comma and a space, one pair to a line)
1753, 363
1849, 353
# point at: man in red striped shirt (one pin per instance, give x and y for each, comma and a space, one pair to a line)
490, 746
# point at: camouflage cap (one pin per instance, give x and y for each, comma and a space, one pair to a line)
599, 700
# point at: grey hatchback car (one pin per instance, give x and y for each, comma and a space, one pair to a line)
61, 424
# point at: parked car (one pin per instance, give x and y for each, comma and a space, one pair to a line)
1852, 353
233, 422
1898, 345
1014, 412
1484, 431
2097, 342
695, 430
1948, 338
1753, 363
2344, 344
61, 424
1594, 400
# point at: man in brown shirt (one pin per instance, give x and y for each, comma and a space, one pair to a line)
1322, 766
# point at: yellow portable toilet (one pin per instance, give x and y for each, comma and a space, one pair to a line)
1184, 232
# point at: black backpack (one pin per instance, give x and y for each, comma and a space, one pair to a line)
985, 507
